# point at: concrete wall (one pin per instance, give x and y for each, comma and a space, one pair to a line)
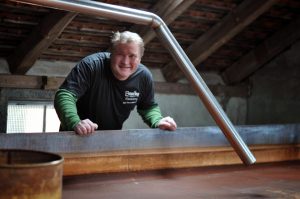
276, 90
188, 110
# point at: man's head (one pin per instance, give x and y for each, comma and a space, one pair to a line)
127, 52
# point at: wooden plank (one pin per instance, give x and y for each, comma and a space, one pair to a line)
20, 81
107, 162
40, 39
32, 82
263, 53
217, 36
53, 83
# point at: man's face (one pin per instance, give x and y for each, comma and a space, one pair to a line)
125, 59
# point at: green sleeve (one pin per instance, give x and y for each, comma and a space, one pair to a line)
65, 106
151, 116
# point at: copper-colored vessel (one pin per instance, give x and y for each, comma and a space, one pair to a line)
30, 174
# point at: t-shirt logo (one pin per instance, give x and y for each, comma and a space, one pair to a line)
131, 97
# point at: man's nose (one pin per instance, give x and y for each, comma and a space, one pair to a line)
125, 59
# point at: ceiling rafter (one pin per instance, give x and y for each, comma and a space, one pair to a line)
263, 53
168, 11
25, 55
221, 33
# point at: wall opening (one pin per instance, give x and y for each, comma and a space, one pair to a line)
31, 117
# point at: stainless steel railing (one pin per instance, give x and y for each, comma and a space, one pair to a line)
167, 38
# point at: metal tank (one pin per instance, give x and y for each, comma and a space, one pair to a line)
27, 174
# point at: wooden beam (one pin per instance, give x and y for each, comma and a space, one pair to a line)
32, 82
20, 81
159, 8
39, 40
217, 36
263, 53
141, 160
168, 11
52, 83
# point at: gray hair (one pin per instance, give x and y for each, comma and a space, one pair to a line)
127, 37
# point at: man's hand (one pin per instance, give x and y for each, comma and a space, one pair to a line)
167, 123
85, 127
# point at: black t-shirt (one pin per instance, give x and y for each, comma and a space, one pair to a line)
104, 99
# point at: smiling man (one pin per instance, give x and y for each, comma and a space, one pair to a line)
103, 88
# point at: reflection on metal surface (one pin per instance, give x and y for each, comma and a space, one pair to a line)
150, 19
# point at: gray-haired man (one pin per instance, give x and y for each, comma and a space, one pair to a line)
103, 88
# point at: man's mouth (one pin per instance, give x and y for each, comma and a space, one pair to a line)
124, 67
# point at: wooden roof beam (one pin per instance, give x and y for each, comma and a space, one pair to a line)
263, 53
168, 11
217, 36
40, 39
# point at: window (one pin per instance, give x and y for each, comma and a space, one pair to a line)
31, 117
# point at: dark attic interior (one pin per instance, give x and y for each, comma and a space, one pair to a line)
228, 73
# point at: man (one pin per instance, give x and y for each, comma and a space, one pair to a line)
103, 88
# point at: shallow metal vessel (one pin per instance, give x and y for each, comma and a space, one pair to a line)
30, 174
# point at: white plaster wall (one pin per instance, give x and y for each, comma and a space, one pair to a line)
189, 111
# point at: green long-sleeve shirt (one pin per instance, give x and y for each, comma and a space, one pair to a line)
65, 105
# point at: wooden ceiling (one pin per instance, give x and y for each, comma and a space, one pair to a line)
233, 38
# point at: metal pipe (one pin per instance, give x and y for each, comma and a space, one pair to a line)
205, 95
89, 7
164, 34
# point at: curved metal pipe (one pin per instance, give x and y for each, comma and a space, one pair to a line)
89, 7
150, 19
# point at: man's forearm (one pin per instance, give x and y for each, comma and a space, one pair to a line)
65, 106
151, 116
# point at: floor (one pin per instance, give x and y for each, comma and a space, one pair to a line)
276, 180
